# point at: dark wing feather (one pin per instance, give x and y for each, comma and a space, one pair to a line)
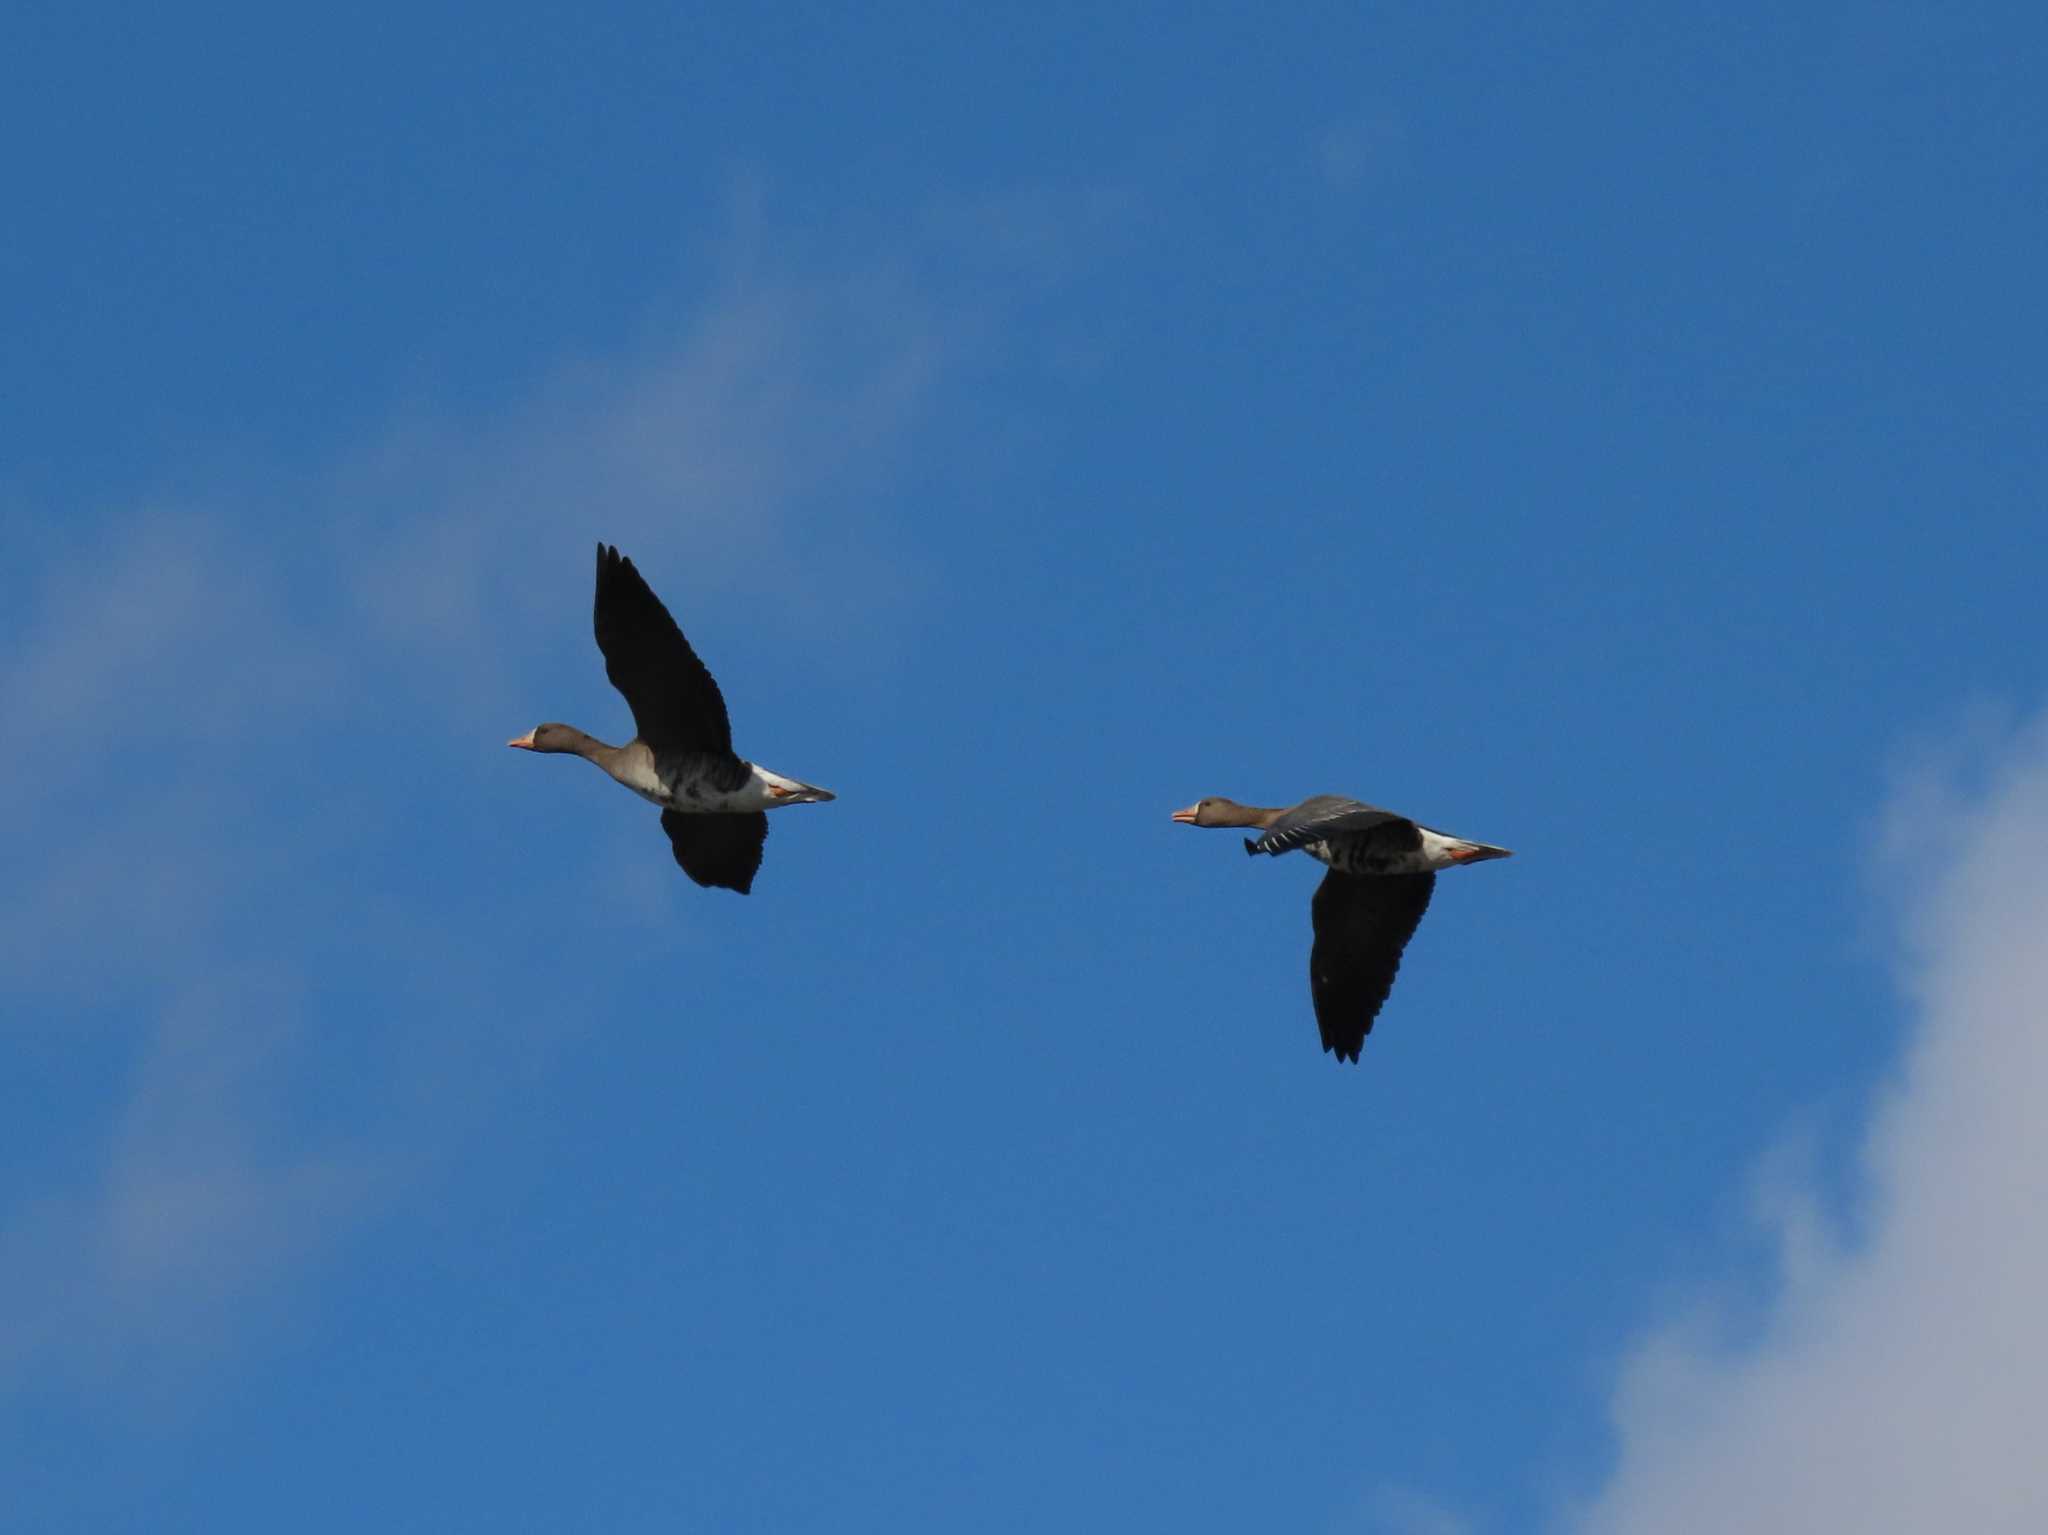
1362, 924
1325, 815
676, 706
721, 850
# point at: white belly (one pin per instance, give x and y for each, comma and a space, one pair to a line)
1360, 856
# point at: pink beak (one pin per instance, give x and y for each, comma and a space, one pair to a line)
524, 743
1186, 817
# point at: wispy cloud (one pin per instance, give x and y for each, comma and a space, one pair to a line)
1396, 1510
176, 814
1365, 145
199, 1199
740, 443
1894, 1383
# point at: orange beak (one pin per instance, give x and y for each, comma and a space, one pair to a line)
1186, 817
524, 743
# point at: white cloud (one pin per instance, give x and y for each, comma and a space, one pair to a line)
1895, 1382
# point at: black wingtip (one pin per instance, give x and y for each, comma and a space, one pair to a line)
1251, 848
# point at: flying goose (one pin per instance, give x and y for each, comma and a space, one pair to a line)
681, 755
1382, 870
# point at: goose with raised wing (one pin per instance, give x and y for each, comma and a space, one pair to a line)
712, 801
1383, 870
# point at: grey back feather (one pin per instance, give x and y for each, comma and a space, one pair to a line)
1319, 817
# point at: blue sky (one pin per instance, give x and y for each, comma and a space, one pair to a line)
1603, 431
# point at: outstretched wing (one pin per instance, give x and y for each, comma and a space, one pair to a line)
676, 706
721, 850
1325, 815
1362, 923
